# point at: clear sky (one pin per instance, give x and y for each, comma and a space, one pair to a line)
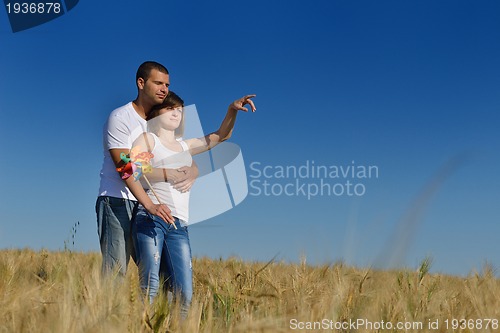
411, 88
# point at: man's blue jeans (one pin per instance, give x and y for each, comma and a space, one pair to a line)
114, 221
163, 252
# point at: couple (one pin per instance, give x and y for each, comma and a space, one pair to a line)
151, 224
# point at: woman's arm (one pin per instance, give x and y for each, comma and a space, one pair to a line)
159, 210
200, 145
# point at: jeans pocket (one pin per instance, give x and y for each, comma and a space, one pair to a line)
184, 230
115, 202
142, 218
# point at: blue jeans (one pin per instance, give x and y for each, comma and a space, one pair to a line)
114, 221
163, 252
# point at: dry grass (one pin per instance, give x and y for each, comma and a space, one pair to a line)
64, 292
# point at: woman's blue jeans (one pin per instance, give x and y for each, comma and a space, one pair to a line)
162, 252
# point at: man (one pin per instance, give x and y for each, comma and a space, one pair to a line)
118, 198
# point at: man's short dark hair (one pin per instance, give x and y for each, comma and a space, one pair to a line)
145, 69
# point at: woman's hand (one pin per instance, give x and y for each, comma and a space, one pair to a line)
162, 211
239, 104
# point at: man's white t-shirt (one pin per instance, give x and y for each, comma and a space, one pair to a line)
124, 125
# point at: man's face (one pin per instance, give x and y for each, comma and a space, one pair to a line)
155, 88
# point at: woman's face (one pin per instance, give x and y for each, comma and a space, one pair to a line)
170, 118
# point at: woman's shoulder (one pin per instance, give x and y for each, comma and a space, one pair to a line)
146, 139
183, 144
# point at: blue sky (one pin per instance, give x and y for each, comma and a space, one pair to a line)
406, 86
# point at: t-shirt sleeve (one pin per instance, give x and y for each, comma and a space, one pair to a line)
117, 133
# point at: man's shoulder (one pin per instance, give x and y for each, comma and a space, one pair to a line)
125, 117
122, 110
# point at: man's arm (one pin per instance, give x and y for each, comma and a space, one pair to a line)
182, 179
187, 177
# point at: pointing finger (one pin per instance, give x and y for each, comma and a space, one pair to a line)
252, 105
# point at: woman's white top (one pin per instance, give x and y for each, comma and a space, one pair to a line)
177, 201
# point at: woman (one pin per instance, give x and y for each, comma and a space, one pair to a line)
166, 245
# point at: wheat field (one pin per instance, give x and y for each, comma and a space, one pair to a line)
64, 292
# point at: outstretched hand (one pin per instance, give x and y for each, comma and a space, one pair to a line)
239, 104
